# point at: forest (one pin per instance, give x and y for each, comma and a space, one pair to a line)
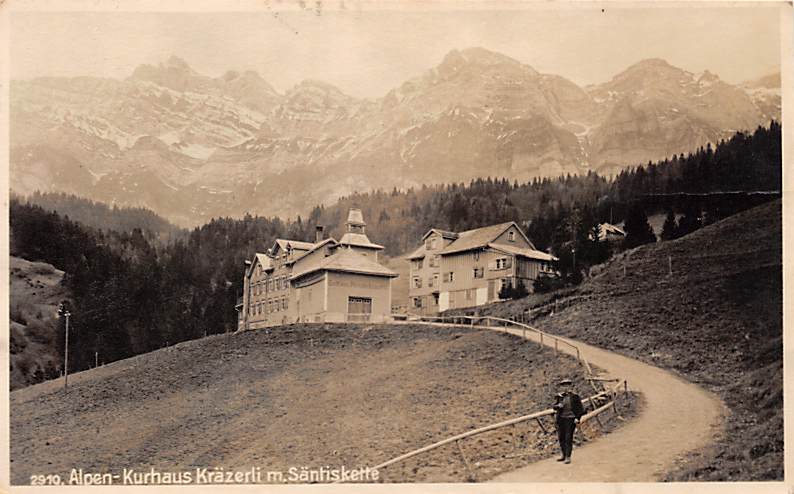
138, 283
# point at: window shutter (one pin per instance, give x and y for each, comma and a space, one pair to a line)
508, 262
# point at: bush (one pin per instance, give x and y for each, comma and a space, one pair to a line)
40, 332
545, 284
509, 291
19, 312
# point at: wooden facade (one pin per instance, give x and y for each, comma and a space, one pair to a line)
325, 281
467, 269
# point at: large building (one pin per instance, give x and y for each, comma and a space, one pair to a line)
324, 281
456, 270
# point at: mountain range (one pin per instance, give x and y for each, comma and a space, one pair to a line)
193, 147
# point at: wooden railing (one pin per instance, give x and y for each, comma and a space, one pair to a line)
545, 339
610, 394
598, 408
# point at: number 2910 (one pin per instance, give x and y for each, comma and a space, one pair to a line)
50, 479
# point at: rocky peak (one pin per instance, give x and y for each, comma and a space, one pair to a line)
174, 73
477, 57
174, 62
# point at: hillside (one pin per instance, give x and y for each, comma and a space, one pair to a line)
313, 395
717, 321
192, 147
106, 217
35, 293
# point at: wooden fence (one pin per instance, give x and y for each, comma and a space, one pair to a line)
609, 396
599, 403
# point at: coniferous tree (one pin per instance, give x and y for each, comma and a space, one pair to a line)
690, 221
670, 227
638, 230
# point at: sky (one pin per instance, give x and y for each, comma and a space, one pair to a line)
367, 51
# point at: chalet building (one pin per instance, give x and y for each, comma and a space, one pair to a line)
608, 232
324, 281
456, 270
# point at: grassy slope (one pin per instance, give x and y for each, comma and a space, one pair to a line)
299, 395
717, 321
35, 294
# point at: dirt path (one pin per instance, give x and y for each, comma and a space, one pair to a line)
678, 417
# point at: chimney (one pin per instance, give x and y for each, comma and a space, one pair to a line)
318, 234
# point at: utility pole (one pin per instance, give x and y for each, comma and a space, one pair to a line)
64, 311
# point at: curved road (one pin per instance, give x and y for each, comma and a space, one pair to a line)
678, 417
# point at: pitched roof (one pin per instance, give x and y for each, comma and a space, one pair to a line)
344, 260
530, 253
316, 246
417, 254
444, 233
477, 238
358, 240
263, 260
295, 244
610, 228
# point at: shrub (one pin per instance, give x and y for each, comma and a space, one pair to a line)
40, 332
545, 284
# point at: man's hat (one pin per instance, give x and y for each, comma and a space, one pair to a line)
565, 381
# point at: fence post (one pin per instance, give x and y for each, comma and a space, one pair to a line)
541, 339
556, 346
472, 476
625, 388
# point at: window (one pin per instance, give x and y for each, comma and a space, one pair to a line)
417, 302
416, 264
470, 294
476, 255
417, 282
511, 236
359, 305
449, 277
434, 280
284, 303
503, 263
434, 261
479, 272
430, 243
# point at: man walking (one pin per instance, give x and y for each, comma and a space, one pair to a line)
569, 410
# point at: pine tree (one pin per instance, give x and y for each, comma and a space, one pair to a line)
670, 227
690, 221
638, 230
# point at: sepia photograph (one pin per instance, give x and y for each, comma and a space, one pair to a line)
297, 242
